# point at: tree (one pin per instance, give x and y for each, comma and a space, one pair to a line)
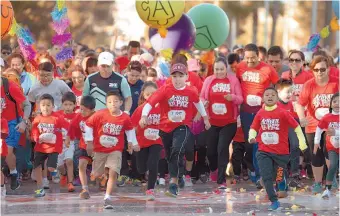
276, 9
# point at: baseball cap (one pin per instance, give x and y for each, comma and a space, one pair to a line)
178, 67
193, 65
105, 58
238, 47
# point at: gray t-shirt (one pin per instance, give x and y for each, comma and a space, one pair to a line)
284, 68
57, 88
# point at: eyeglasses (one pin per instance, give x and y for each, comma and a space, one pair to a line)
316, 70
5, 53
294, 60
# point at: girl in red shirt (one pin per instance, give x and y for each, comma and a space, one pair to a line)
331, 124
176, 101
148, 138
222, 95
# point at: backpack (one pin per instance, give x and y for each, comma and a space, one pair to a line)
5, 84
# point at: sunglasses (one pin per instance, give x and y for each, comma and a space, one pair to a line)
319, 70
294, 60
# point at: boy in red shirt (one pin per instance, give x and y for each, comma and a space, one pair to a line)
4, 151
66, 157
104, 135
47, 133
77, 132
272, 124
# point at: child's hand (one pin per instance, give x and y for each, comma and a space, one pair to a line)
143, 121
330, 132
197, 117
136, 148
130, 149
316, 147
252, 141
207, 123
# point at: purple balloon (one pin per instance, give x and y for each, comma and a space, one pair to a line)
180, 36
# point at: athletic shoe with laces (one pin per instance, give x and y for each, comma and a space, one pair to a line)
46, 183
326, 194
317, 188
245, 175
136, 182
15, 184
204, 178
222, 186
108, 204
84, 194
70, 187
188, 182
39, 193
56, 178
150, 195
258, 184
172, 191
122, 180
274, 206
295, 182
181, 182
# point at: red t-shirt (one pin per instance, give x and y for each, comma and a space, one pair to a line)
331, 121
239, 136
77, 129
272, 127
108, 130
48, 128
289, 107
123, 62
177, 106
7, 106
68, 118
253, 83
150, 134
317, 100
4, 134
221, 111
193, 80
298, 81
78, 95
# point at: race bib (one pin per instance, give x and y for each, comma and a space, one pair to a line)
335, 141
219, 108
108, 141
321, 112
49, 138
254, 100
176, 115
151, 134
270, 138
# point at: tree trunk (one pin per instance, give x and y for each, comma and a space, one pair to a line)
275, 15
255, 24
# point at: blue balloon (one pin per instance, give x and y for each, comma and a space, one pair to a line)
336, 9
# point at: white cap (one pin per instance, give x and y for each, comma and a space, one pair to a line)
105, 58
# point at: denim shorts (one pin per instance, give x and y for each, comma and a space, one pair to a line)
13, 135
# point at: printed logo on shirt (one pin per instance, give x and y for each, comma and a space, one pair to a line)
3, 103
297, 89
322, 100
113, 85
251, 77
221, 87
154, 119
179, 101
46, 128
82, 126
93, 84
270, 124
112, 129
136, 92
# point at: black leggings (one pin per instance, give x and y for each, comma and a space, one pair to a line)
219, 139
318, 159
147, 159
242, 153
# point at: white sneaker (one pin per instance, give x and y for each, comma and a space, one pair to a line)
56, 179
162, 181
326, 194
188, 182
46, 183
3, 192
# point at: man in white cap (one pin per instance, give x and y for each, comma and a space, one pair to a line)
99, 83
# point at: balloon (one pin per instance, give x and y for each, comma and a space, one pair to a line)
336, 8
181, 36
212, 25
160, 14
7, 15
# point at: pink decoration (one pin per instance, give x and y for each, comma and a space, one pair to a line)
61, 39
61, 26
27, 50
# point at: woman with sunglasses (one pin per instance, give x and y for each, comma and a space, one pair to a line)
315, 96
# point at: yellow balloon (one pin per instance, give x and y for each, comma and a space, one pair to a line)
160, 14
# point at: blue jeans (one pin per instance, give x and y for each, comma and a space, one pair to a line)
246, 121
23, 157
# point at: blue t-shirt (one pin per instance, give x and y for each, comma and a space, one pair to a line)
135, 92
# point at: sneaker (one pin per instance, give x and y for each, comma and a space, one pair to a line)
258, 184
39, 193
181, 182
335, 183
70, 187
46, 183
108, 204
63, 181
203, 178
213, 176
317, 188
150, 195
252, 177
326, 194
76, 181
56, 178
245, 175
14, 182
274, 206
136, 182
121, 181
84, 194
161, 182
222, 186
3, 191
236, 180
173, 190
303, 173
295, 183
188, 182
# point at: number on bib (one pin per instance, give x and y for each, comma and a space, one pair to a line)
219, 108
176, 115
270, 138
335, 141
49, 138
254, 100
108, 141
151, 134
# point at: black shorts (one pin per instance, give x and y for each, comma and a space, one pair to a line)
83, 154
39, 159
3, 161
